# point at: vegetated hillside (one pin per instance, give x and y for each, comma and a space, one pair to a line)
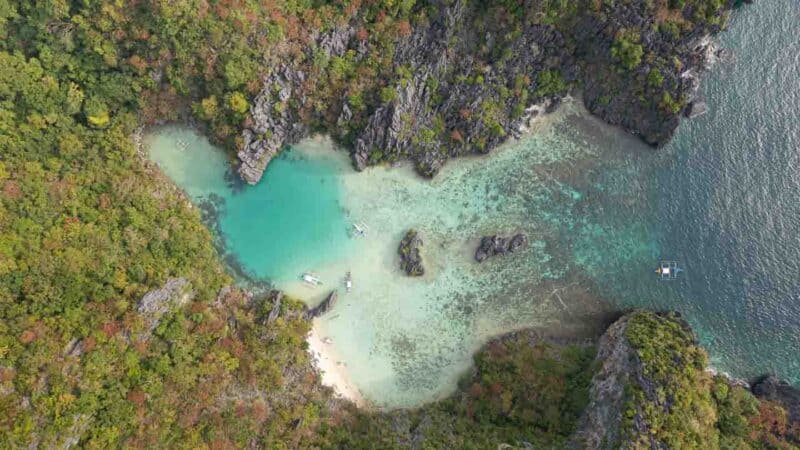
525, 388
644, 384
115, 329
652, 391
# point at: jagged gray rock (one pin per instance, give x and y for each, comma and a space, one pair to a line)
277, 298
496, 245
176, 292
323, 307
599, 425
410, 257
276, 124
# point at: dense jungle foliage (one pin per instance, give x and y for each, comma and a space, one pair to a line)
87, 227
678, 403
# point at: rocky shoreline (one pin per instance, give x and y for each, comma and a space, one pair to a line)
459, 84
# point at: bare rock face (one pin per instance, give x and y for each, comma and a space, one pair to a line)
274, 113
496, 245
410, 257
323, 307
275, 124
602, 417
277, 298
176, 292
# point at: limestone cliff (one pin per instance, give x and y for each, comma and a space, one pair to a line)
468, 75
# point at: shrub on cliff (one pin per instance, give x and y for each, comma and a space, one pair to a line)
626, 48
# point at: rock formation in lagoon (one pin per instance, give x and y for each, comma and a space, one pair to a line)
410, 257
323, 307
496, 245
463, 85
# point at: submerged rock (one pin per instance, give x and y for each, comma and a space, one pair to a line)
410, 257
696, 108
323, 307
496, 245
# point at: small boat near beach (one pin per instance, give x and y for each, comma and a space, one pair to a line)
348, 281
360, 229
668, 270
311, 279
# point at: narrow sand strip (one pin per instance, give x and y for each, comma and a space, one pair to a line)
333, 370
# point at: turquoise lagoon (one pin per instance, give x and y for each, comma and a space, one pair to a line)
599, 207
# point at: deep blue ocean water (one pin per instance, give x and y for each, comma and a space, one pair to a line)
722, 198
728, 200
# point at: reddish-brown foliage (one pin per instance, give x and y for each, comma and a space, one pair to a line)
7, 374
404, 28
11, 190
260, 411
138, 63
27, 336
88, 344
137, 397
109, 328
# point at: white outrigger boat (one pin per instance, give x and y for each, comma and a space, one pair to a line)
310, 279
668, 270
360, 229
348, 281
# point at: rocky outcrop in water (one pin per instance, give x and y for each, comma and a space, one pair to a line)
176, 292
410, 257
323, 307
495, 245
461, 83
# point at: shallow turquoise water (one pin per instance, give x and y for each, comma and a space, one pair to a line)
276, 230
600, 208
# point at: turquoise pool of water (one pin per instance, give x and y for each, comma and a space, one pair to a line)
599, 207
276, 229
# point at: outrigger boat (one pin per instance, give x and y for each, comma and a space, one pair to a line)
310, 279
360, 228
668, 270
348, 281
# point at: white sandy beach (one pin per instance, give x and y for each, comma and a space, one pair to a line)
334, 372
